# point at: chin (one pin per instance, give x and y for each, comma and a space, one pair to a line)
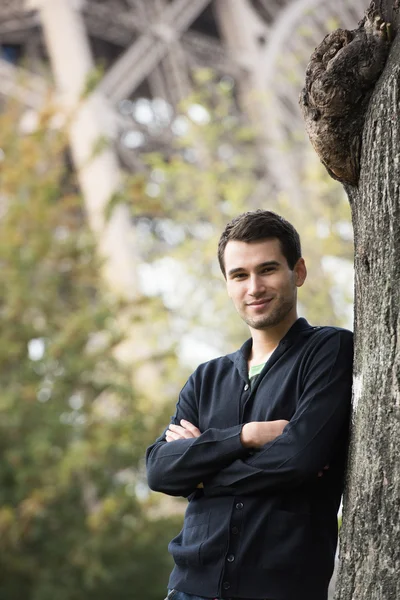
268, 321
264, 324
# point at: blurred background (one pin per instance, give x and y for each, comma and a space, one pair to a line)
131, 132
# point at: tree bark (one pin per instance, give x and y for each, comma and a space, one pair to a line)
370, 537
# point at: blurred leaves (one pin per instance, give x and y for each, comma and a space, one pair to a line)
72, 430
212, 172
75, 518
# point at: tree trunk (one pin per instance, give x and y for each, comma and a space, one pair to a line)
370, 537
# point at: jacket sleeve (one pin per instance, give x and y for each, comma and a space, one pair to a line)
313, 436
176, 468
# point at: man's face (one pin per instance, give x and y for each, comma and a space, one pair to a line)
260, 283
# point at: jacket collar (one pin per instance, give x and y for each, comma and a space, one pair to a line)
240, 357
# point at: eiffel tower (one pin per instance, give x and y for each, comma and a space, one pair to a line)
149, 49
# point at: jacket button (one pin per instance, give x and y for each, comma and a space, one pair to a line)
239, 505
246, 387
235, 530
230, 558
226, 585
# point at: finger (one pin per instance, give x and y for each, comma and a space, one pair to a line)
181, 432
176, 435
187, 433
190, 427
178, 429
170, 436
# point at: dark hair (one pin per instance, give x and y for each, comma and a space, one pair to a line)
259, 225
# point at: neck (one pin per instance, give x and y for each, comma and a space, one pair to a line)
266, 340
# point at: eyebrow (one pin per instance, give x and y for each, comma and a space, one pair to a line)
268, 263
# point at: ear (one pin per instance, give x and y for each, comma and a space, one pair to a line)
300, 272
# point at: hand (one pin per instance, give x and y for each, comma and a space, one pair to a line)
258, 433
184, 431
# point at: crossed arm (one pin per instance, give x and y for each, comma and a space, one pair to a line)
287, 453
253, 435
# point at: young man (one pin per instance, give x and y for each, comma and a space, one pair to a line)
258, 440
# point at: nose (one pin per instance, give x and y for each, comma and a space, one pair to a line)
256, 285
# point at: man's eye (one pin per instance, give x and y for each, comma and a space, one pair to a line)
239, 276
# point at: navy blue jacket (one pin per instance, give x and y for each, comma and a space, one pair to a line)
265, 524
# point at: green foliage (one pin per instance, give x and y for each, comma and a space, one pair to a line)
213, 172
72, 433
94, 78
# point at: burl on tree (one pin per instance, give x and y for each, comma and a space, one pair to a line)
340, 78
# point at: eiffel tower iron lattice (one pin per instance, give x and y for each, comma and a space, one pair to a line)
150, 47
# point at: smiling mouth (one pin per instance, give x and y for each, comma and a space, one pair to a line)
260, 302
